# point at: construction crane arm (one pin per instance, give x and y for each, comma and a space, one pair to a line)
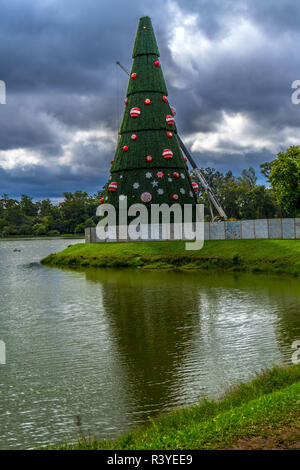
202, 179
122, 67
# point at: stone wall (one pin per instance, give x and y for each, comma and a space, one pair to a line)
239, 229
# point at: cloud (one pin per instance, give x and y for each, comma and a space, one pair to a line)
228, 67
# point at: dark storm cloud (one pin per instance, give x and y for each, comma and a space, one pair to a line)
37, 180
58, 61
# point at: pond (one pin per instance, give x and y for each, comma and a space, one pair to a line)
95, 352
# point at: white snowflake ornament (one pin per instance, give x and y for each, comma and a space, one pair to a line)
182, 191
136, 185
160, 191
148, 175
154, 183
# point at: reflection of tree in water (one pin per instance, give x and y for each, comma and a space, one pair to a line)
208, 329
152, 319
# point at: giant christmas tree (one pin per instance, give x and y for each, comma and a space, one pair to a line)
148, 166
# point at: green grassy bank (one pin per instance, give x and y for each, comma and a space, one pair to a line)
271, 256
264, 413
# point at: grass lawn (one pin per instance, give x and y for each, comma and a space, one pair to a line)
276, 256
264, 413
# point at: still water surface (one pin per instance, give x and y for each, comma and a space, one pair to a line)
107, 348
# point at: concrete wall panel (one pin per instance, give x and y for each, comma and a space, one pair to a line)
233, 230
275, 228
217, 230
288, 228
247, 229
261, 228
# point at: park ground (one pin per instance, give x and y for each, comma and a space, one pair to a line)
266, 256
261, 414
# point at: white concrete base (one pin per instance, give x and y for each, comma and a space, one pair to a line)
228, 230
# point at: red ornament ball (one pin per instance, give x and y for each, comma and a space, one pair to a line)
126, 101
195, 186
169, 134
111, 162
170, 120
133, 75
134, 137
167, 154
102, 200
185, 159
176, 175
173, 111
135, 112
113, 186
175, 197
156, 63
125, 148
146, 197
147, 101
149, 158
165, 99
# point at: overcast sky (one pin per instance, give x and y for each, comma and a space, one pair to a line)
228, 65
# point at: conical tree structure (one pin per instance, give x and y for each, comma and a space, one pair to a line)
148, 165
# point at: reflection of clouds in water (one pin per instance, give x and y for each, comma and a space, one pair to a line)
235, 337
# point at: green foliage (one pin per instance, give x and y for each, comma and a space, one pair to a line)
25, 217
284, 176
240, 196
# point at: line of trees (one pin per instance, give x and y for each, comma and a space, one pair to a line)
240, 196
26, 217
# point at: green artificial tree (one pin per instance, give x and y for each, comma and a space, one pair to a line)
148, 166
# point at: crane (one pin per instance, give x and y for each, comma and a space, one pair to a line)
198, 173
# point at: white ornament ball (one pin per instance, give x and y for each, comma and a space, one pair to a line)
146, 197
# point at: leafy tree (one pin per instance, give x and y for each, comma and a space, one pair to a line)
240, 197
28, 207
284, 175
73, 210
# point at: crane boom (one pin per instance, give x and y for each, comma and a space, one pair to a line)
198, 172
202, 179
122, 67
